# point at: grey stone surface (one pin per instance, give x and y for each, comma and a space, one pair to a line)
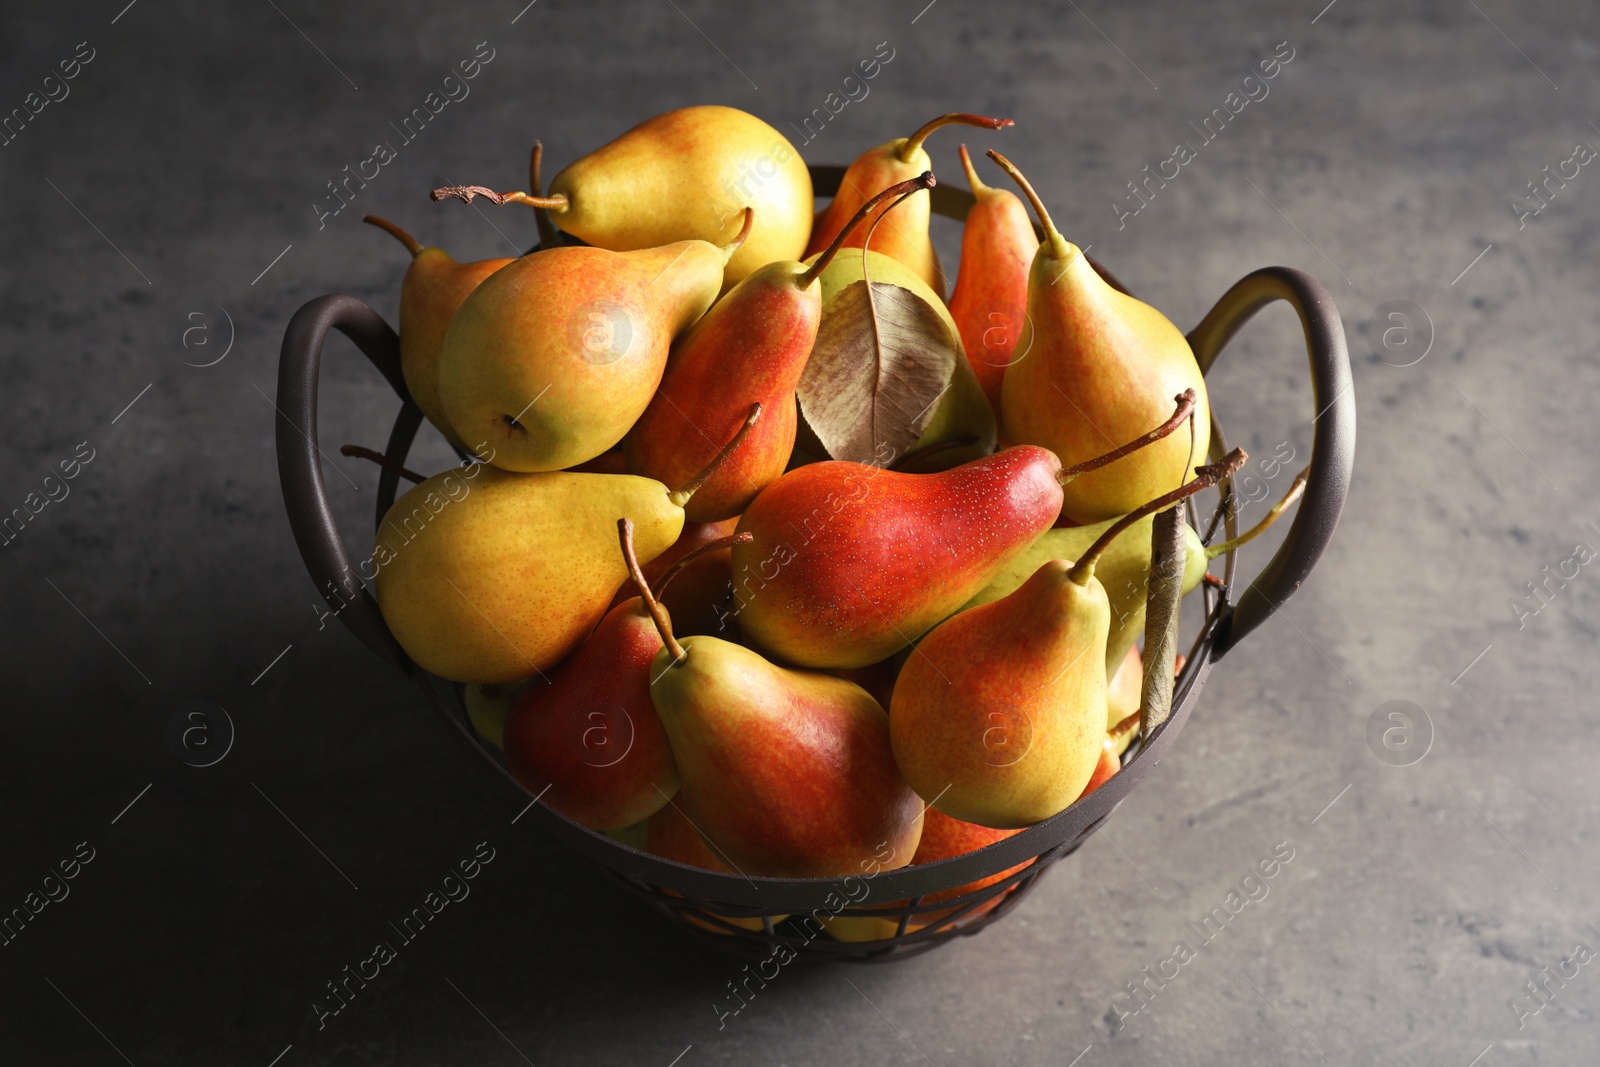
188, 156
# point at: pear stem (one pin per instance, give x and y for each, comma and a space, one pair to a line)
1051, 233
658, 614
1184, 410
1205, 478
548, 237
681, 495
1123, 727
973, 180
914, 142
744, 231
466, 193
360, 452
411, 243
925, 180
1267, 520
744, 537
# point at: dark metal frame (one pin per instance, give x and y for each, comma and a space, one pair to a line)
711, 897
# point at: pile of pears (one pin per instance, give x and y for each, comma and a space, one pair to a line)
689, 625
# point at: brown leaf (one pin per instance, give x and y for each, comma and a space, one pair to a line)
882, 359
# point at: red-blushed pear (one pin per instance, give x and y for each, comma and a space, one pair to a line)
1101, 364
584, 736
486, 575
990, 302
851, 563
435, 285
752, 344
942, 838
789, 772
999, 716
904, 234
556, 355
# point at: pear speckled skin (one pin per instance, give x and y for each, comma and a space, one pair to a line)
434, 288
489, 576
1000, 716
586, 737
788, 772
750, 347
690, 173
554, 357
851, 563
1101, 368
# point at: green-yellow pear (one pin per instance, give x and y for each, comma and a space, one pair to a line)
434, 287
554, 356
1101, 365
964, 412
685, 174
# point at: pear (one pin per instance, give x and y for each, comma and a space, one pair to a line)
963, 414
904, 234
990, 302
1101, 364
684, 175
999, 718
434, 287
788, 772
585, 736
491, 576
850, 563
752, 344
554, 357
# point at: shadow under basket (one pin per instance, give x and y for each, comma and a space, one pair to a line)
756, 916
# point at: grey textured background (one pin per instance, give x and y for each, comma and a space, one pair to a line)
1384, 160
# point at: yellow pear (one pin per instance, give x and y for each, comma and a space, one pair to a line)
485, 575
685, 174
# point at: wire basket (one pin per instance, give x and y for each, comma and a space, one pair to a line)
785, 917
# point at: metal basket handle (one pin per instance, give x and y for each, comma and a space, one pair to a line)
1333, 442
305, 495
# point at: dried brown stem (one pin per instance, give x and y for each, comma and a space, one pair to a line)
681, 495
1184, 409
360, 452
658, 614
